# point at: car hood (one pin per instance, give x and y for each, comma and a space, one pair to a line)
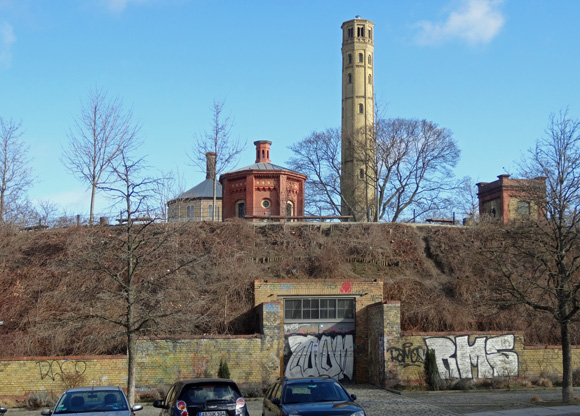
323, 408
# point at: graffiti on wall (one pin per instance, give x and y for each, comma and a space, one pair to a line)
491, 356
408, 355
317, 355
54, 369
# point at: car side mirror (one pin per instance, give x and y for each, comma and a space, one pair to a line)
3, 410
276, 401
45, 412
353, 397
159, 404
137, 407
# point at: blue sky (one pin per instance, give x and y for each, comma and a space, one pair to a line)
491, 71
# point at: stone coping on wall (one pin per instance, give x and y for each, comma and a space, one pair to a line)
66, 357
202, 336
453, 333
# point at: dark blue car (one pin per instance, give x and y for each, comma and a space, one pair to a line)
318, 396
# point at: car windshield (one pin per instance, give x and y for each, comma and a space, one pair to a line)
91, 401
314, 391
200, 393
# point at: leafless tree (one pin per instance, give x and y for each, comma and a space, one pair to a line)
15, 172
100, 133
217, 140
539, 258
318, 157
168, 186
414, 166
411, 170
130, 284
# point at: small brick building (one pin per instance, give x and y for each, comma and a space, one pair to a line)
507, 198
263, 191
197, 204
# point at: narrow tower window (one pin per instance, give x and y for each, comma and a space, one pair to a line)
370, 79
350, 78
370, 60
361, 108
370, 33
349, 58
350, 32
361, 174
360, 57
360, 32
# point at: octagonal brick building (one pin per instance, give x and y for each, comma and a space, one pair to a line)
263, 191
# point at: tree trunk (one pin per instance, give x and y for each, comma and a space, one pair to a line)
92, 208
131, 360
567, 386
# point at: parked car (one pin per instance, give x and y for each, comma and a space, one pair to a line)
2, 410
310, 396
93, 400
203, 397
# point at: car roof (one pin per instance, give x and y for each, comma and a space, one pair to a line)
206, 381
94, 388
303, 379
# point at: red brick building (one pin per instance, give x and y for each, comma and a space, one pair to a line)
507, 198
263, 191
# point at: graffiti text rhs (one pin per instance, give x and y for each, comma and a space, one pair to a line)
493, 356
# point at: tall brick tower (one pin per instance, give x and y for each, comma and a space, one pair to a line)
357, 182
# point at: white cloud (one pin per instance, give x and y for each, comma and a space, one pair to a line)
7, 38
473, 21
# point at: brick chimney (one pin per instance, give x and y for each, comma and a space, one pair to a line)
210, 165
262, 151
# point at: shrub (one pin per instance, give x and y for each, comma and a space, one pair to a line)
431, 372
576, 377
40, 400
252, 390
223, 371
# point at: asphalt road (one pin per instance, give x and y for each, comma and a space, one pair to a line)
381, 402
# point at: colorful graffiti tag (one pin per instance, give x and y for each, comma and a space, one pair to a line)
317, 355
491, 356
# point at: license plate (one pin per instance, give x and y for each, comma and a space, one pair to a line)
215, 413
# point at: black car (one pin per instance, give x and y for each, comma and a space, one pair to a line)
203, 397
2, 410
308, 397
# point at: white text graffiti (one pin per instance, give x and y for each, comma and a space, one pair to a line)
311, 356
492, 357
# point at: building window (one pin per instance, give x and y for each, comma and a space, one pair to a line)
240, 209
319, 309
370, 60
370, 79
350, 78
360, 32
361, 174
350, 32
524, 208
361, 108
370, 33
349, 58
361, 58
290, 209
265, 203
190, 211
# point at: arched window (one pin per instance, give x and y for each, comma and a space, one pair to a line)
290, 209
370, 79
240, 210
361, 108
350, 78
349, 58
360, 57
370, 60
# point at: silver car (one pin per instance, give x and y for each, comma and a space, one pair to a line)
93, 401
